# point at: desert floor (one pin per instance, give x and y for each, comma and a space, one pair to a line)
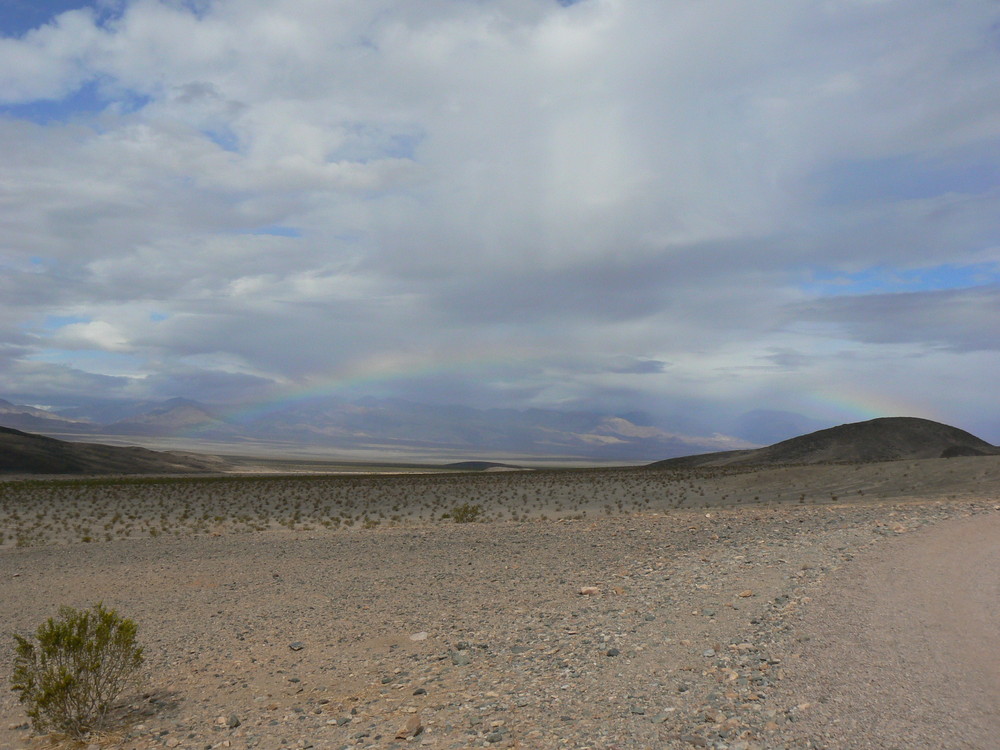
812, 622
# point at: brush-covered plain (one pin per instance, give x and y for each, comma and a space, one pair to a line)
35, 512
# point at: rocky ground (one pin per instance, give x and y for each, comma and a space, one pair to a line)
693, 630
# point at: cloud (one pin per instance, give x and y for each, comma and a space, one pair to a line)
539, 203
961, 320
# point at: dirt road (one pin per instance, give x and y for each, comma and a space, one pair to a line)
903, 645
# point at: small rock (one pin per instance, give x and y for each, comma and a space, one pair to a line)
613, 652
421, 636
233, 721
708, 653
411, 728
693, 739
746, 593
637, 710
297, 646
459, 659
589, 591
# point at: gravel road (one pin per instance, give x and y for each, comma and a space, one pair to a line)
904, 644
842, 626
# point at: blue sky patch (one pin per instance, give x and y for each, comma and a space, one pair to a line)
366, 142
885, 280
223, 138
88, 99
17, 17
85, 100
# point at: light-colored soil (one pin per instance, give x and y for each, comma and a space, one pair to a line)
904, 644
725, 627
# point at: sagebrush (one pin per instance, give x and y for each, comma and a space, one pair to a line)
78, 665
466, 513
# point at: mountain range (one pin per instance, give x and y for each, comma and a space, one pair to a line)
25, 453
885, 439
369, 423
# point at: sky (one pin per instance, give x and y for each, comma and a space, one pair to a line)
693, 210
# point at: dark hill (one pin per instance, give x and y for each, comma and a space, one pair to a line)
884, 439
24, 453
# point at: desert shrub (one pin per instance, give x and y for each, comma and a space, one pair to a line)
81, 663
466, 513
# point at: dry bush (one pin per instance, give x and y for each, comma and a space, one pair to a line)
74, 671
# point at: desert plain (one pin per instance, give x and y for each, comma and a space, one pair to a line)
833, 606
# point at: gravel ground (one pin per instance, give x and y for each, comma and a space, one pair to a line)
729, 628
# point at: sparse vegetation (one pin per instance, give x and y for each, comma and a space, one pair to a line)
466, 513
98, 510
76, 668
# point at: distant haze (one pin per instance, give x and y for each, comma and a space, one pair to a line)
367, 428
735, 221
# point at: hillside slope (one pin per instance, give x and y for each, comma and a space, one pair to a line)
883, 439
24, 453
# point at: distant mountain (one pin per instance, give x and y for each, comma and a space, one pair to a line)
404, 424
170, 417
373, 424
24, 453
22, 417
884, 439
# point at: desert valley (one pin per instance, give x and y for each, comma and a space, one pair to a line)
748, 599
535, 374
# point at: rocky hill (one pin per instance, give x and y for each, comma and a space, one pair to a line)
24, 453
883, 439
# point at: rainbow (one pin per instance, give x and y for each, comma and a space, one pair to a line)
382, 368
845, 403
858, 404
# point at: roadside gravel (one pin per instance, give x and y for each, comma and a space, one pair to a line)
710, 628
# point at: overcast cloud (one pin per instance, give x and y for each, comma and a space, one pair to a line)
684, 208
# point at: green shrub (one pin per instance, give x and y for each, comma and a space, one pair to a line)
79, 666
466, 513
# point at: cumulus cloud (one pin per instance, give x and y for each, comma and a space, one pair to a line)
540, 202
